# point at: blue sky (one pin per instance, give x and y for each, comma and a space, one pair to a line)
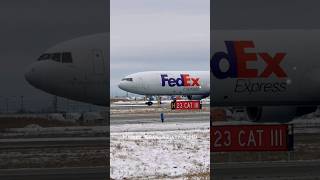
158, 35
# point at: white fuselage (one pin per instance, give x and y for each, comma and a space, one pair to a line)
265, 67
167, 83
76, 69
248, 67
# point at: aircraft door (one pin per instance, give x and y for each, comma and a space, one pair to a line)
98, 61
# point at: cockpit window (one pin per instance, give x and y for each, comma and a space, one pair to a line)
66, 57
56, 57
127, 79
44, 57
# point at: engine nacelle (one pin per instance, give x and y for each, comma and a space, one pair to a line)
196, 97
277, 113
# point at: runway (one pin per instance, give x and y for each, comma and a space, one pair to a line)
267, 170
83, 173
27, 143
155, 117
138, 106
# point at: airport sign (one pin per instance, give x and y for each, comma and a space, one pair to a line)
186, 105
228, 138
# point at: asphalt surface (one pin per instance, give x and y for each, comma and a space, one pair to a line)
86, 173
263, 170
155, 117
53, 142
267, 170
138, 106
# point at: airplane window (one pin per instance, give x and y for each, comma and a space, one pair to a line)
66, 57
44, 57
56, 57
127, 79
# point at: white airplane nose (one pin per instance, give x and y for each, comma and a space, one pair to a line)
124, 85
121, 85
29, 74
33, 76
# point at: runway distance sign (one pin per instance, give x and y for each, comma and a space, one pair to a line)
186, 105
227, 138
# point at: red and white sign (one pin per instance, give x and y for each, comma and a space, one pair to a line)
185, 105
249, 138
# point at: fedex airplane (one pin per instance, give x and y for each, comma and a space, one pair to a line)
194, 84
273, 73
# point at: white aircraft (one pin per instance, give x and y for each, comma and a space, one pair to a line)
193, 84
274, 74
76, 69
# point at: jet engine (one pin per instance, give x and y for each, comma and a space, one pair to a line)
281, 114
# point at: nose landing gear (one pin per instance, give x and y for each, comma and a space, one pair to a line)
149, 103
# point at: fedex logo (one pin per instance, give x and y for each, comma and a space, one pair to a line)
183, 80
238, 59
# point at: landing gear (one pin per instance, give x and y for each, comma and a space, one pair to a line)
149, 103
149, 100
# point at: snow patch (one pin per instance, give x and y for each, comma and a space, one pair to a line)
167, 150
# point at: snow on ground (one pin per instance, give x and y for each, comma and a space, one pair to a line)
170, 150
167, 126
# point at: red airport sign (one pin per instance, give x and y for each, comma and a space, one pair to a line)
229, 138
185, 105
